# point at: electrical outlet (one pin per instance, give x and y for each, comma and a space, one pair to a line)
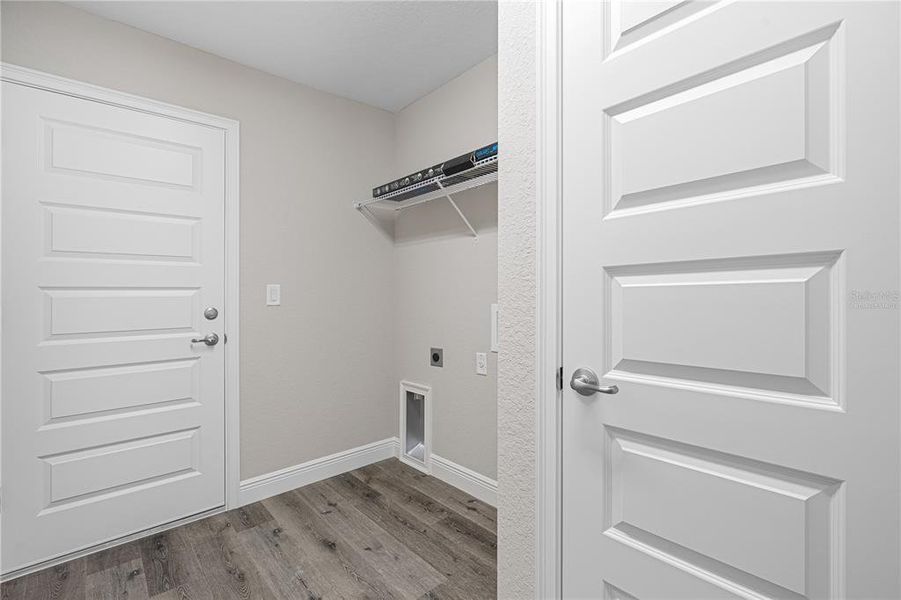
436, 357
481, 363
273, 294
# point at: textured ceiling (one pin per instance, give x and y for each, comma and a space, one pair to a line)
384, 53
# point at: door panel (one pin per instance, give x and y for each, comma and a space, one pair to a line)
113, 233
730, 194
725, 512
84, 393
686, 324
781, 97
132, 236
85, 150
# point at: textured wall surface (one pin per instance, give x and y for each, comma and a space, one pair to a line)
445, 280
295, 212
517, 294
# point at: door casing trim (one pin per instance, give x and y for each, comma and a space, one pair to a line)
549, 351
45, 81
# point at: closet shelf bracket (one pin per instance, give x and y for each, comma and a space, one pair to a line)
459, 212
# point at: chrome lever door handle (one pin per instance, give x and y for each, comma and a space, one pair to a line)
210, 340
585, 381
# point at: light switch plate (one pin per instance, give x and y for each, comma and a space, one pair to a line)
481, 363
273, 294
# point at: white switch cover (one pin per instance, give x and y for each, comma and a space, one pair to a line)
481, 363
273, 294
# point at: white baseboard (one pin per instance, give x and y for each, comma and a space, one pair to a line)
281, 481
474, 484
290, 478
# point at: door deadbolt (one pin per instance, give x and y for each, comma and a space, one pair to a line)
211, 313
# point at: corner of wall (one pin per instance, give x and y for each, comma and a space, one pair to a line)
443, 281
517, 294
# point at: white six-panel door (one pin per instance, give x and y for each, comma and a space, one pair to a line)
113, 237
731, 263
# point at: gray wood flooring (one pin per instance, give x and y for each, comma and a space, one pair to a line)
383, 531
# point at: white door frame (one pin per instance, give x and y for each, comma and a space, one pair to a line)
53, 83
549, 353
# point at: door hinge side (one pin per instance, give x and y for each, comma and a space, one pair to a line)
560, 378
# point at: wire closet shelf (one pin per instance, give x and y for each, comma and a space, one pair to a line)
482, 172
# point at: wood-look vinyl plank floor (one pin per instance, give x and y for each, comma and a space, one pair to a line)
383, 531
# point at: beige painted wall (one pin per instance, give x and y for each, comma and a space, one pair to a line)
445, 281
299, 401
518, 293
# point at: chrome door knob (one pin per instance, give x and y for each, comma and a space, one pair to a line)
585, 381
210, 340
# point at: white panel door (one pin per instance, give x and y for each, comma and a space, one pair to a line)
113, 232
731, 263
